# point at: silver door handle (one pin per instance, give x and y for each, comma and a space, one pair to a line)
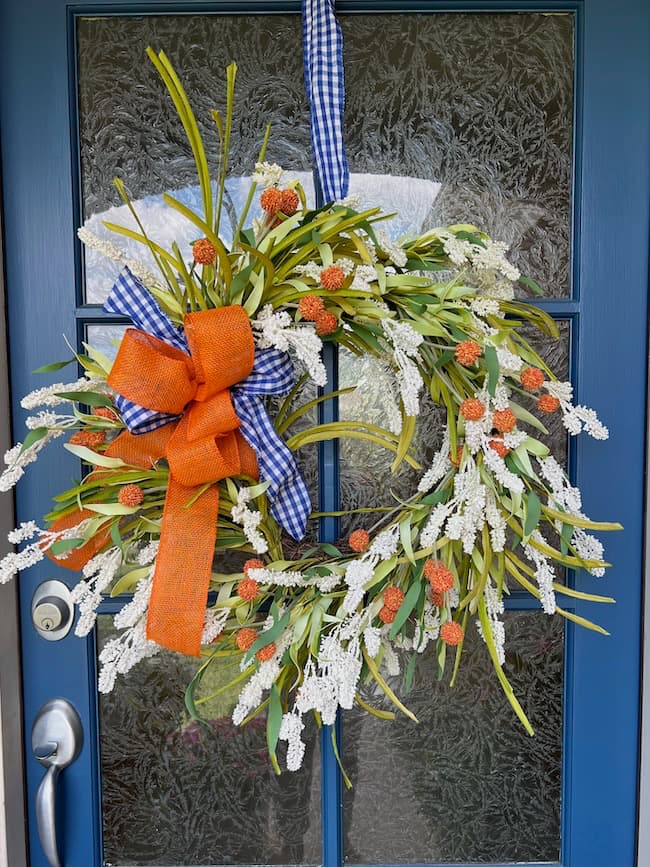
57, 737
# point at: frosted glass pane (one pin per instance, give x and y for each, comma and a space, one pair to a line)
177, 793
482, 104
467, 784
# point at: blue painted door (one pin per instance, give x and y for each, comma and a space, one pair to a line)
604, 308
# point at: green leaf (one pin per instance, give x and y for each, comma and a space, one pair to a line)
55, 365
437, 497
526, 281
533, 513
409, 603
92, 457
410, 671
65, 545
405, 538
128, 581
33, 437
273, 722
492, 364
270, 634
90, 398
111, 508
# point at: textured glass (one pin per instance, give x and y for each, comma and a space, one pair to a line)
106, 339
467, 784
128, 126
178, 793
482, 104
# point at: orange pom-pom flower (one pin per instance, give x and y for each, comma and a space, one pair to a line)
104, 412
204, 252
386, 614
130, 495
332, 278
310, 306
326, 323
266, 653
246, 638
359, 541
91, 439
497, 445
472, 409
468, 352
548, 404
532, 378
247, 589
393, 598
290, 202
451, 632
504, 420
438, 576
271, 200
437, 598
252, 564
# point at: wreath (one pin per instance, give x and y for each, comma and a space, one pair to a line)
193, 499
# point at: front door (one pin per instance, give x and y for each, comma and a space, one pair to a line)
530, 120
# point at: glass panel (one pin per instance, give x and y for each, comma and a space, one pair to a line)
480, 104
467, 784
128, 125
178, 793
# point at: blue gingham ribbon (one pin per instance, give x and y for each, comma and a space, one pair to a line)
272, 374
323, 65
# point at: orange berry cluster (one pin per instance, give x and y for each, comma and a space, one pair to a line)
359, 541
332, 278
204, 252
451, 632
472, 409
247, 637
130, 495
393, 598
275, 201
312, 309
438, 576
91, 439
467, 353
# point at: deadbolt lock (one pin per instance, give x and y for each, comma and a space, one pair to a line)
52, 610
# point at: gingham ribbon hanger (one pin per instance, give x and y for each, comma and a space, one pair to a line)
323, 65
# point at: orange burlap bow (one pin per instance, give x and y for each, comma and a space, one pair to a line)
204, 446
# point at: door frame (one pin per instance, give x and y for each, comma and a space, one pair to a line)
11, 770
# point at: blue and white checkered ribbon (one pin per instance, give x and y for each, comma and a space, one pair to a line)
323, 64
272, 374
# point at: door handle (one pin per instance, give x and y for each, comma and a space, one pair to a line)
57, 737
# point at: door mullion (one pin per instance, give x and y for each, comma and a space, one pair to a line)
328, 531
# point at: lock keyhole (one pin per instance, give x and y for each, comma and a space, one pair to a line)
52, 610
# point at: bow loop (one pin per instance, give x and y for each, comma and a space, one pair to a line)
165, 381
222, 348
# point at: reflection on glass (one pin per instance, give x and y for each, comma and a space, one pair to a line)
481, 104
179, 793
467, 784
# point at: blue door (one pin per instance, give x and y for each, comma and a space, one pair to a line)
529, 119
